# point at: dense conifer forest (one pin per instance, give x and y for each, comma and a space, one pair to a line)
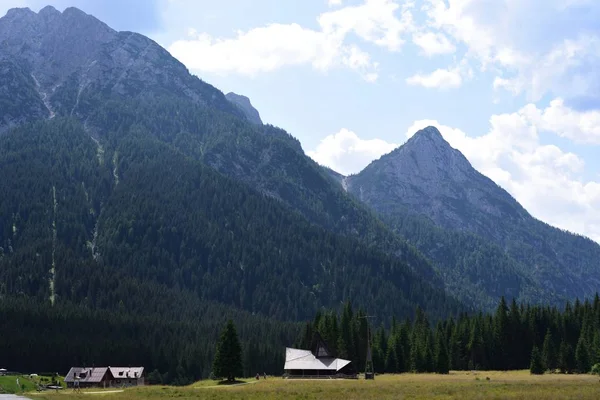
177, 347
565, 340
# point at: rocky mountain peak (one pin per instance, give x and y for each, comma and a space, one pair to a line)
63, 60
49, 12
15, 13
427, 155
428, 139
430, 177
430, 132
245, 105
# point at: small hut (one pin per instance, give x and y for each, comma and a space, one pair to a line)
130, 376
316, 363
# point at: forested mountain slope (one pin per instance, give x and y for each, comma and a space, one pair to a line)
162, 217
484, 238
112, 80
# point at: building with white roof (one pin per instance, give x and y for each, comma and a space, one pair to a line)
317, 363
104, 376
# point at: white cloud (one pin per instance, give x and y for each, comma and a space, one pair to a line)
433, 43
440, 78
346, 153
258, 50
263, 49
582, 127
534, 48
359, 60
333, 3
374, 21
556, 70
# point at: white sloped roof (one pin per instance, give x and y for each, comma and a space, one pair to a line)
126, 372
304, 359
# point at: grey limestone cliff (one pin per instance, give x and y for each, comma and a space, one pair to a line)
70, 61
430, 177
245, 105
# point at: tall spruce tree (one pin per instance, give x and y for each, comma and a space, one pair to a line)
228, 358
476, 345
516, 354
501, 329
379, 350
582, 356
595, 348
442, 358
346, 347
536, 365
566, 358
549, 355
391, 358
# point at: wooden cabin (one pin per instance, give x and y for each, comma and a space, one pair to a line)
104, 377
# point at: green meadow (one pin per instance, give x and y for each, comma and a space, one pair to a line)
456, 385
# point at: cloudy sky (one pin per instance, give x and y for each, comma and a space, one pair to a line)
513, 84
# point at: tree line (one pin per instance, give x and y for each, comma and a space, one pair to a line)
38, 338
516, 336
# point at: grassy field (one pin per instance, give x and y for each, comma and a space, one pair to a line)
457, 385
8, 384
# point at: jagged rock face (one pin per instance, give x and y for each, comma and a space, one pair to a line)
245, 105
428, 176
72, 57
52, 44
19, 99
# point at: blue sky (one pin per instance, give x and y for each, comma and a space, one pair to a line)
513, 84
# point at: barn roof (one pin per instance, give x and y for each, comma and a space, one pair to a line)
306, 360
126, 372
86, 375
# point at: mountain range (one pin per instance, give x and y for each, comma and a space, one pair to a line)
138, 190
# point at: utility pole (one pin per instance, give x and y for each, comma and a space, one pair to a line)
369, 369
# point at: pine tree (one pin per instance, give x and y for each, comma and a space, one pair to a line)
536, 366
516, 353
228, 357
307, 336
582, 356
476, 345
391, 358
346, 347
595, 348
501, 326
549, 352
379, 350
566, 359
442, 358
